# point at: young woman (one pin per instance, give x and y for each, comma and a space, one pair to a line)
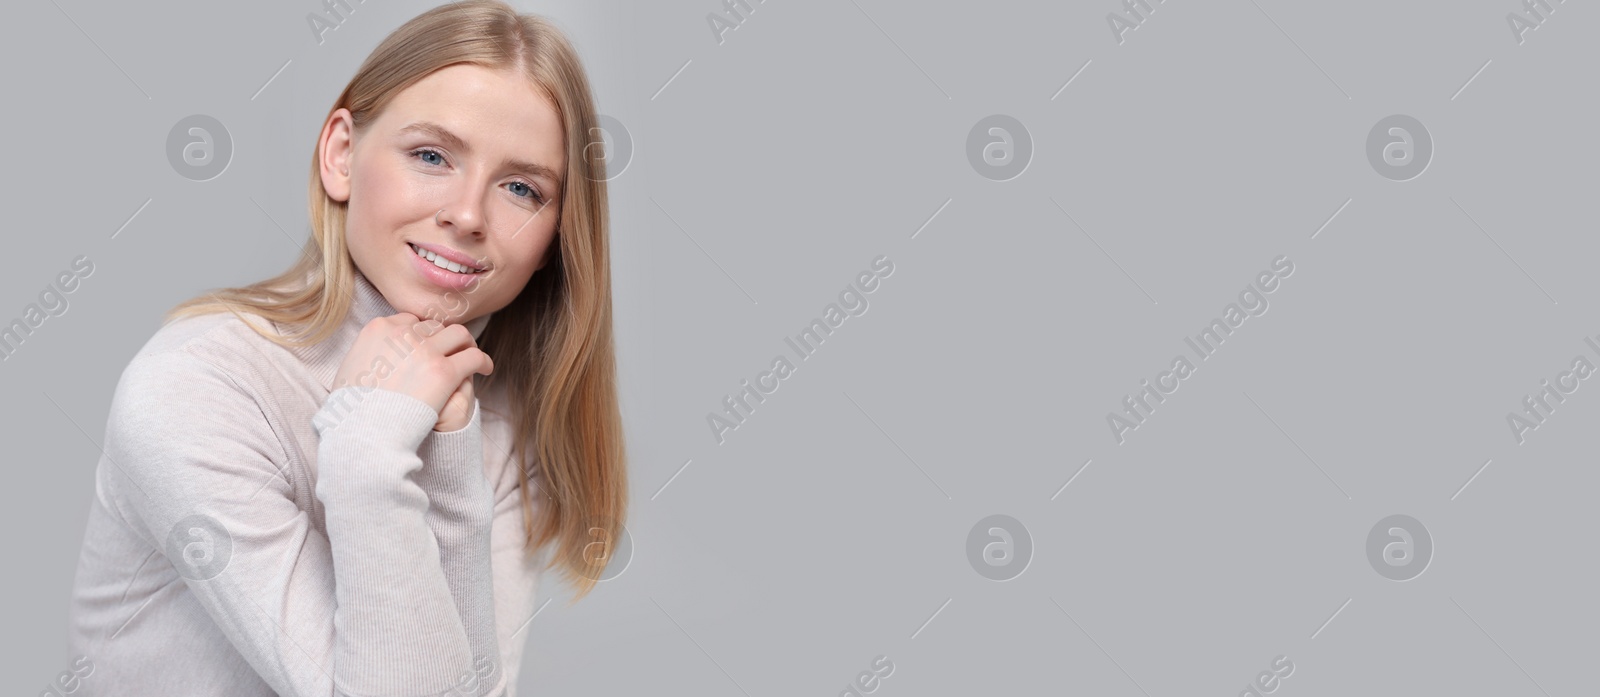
338, 481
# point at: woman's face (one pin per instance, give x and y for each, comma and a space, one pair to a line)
486, 147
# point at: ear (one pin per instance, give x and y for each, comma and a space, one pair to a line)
334, 153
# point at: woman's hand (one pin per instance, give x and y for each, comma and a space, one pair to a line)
457, 411
438, 369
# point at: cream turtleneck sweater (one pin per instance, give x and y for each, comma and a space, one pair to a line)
252, 533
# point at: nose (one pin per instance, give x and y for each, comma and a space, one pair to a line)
464, 216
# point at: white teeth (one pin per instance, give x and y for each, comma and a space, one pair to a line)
442, 262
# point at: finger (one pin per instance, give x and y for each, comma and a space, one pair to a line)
450, 338
426, 327
471, 360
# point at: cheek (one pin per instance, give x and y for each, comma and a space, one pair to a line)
381, 200
521, 258
529, 240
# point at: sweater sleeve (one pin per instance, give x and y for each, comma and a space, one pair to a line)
461, 514
364, 610
457, 476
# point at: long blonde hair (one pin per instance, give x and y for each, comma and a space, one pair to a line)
553, 344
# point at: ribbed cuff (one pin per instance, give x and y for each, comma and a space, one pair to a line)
469, 421
452, 472
370, 419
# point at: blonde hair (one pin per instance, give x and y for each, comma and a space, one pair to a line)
552, 345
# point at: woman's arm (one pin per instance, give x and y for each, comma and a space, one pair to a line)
365, 610
447, 457
461, 515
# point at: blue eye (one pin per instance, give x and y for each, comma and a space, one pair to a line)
427, 151
422, 153
535, 194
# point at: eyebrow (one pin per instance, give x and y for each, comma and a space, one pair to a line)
455, 141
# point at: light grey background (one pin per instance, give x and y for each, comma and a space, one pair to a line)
832, 526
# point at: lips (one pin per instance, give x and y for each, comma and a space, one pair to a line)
446, 278
465, 261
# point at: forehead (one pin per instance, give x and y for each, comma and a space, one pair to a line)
500, 114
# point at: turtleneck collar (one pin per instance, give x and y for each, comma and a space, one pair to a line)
323, 359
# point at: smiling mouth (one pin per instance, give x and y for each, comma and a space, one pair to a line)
443, 263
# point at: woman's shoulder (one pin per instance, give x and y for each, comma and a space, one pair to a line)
182, 393
185, 409
217, 332
198, 353
207, 336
